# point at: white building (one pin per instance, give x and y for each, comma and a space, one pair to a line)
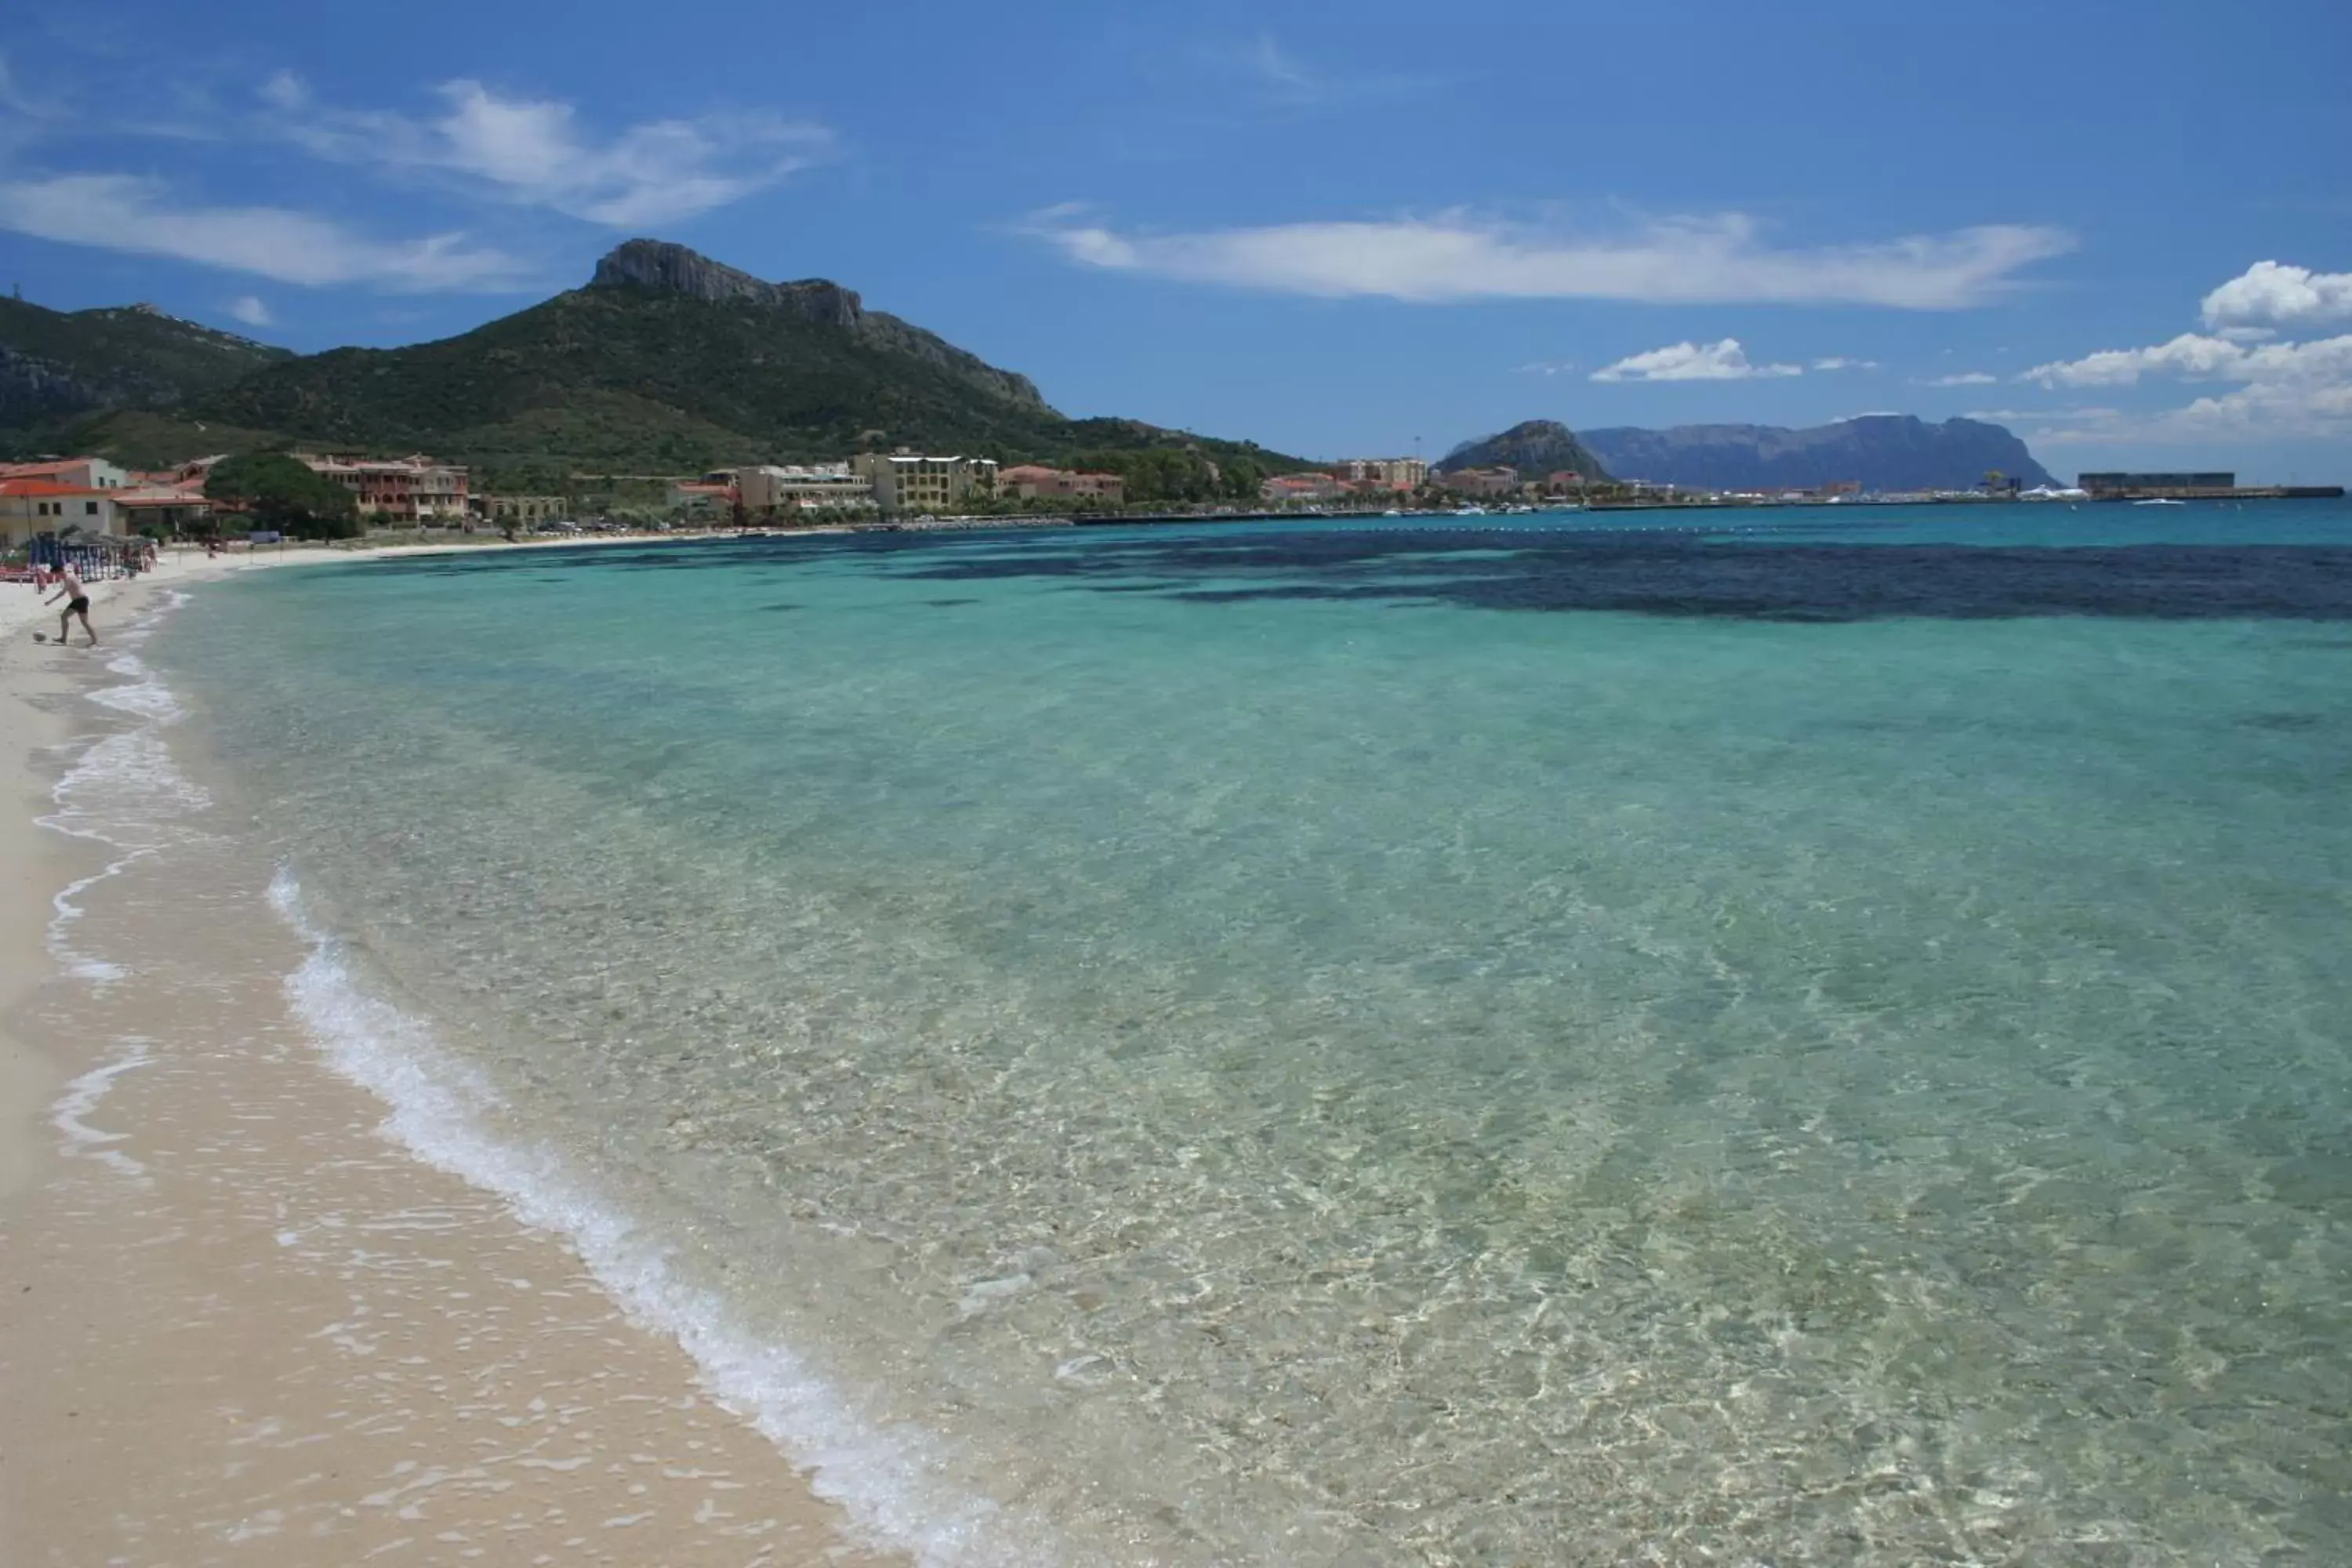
910, 482
29, 507
83, 473
772, 488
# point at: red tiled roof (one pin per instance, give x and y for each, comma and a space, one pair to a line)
10, 487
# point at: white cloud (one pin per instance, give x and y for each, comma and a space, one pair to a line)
11, 99
2272, 411
1546, 367
2012, 416
533, 151
2286, 390
2191, 357
1839, 363
250, 309
125, 212
2270, 294
1456, 257
1963, 378
1725, 361
1278, 69
285, 91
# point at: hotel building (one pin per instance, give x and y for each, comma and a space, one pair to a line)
910, 482
771, 489
415, 490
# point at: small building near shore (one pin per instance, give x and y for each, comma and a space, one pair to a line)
1032, 481
700, 498
30, 508
1299, 490
160, 508
1484, 482
519, 510
88, 473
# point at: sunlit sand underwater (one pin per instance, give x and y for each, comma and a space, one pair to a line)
1820, 1040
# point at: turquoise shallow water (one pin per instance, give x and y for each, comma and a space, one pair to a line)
1826, 1041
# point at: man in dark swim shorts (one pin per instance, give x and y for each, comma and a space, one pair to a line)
69, 588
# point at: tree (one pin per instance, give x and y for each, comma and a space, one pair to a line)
281, 492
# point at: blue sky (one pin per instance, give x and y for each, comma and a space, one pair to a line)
1335, 229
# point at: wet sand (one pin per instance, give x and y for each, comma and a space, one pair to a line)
237, 1323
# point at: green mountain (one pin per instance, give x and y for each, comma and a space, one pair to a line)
667, 361
55, 364
1536, 448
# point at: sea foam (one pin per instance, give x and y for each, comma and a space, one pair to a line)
889, 1480
72, 1110
124, 790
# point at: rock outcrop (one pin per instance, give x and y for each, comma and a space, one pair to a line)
1536, 448
675, 270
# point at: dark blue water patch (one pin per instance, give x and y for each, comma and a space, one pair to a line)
948, 604
782, 605
2286, 723
1696, 578
1656, 572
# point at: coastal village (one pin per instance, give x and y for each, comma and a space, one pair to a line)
92, 497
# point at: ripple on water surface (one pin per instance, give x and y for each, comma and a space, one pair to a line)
1280, 1059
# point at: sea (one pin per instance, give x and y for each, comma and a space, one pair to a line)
1817, 1036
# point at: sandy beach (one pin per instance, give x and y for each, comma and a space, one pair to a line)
242, 1325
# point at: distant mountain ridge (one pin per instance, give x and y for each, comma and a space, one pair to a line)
61, 363
1881, 452
664, 361
1536, 447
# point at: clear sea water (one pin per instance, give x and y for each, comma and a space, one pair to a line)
1825, 1040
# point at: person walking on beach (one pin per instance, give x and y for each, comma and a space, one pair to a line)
69, 588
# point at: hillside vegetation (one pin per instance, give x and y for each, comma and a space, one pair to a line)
670, 362
57, 364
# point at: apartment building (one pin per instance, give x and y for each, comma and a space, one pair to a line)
1382, 473
906, 482
414, 491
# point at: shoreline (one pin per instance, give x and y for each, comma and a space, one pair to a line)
236, 1310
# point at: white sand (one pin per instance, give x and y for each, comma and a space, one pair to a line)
237, 1324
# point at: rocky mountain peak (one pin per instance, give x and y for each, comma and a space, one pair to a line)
1535, 447
675, 270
